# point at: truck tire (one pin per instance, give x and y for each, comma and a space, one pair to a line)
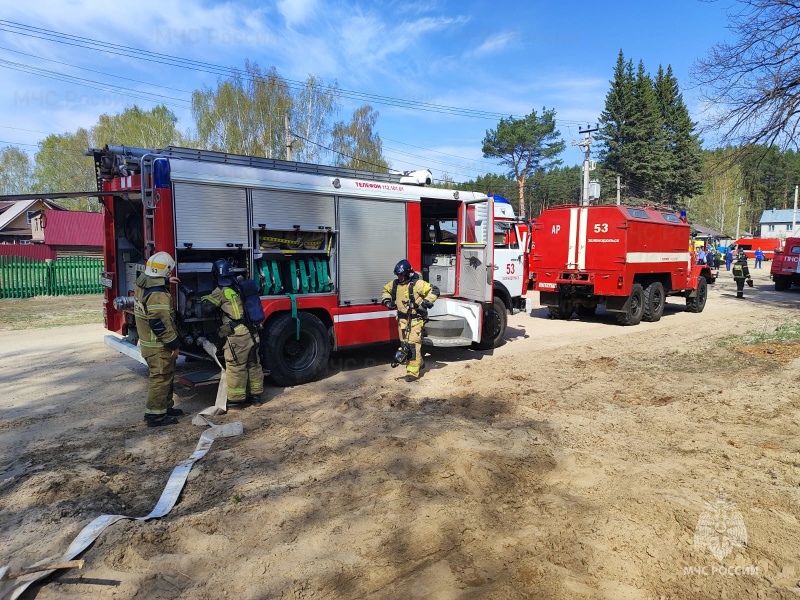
782, 283
495, 319
634, 310
654, 298
564, 309
291, 361
698, 303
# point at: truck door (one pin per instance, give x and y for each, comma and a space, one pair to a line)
510, 243
476, 250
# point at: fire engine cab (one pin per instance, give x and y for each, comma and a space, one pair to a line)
785, 269
320, 242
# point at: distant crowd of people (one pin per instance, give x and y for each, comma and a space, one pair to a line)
713, 257
741, 274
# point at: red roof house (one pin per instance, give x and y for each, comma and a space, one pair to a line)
70, 233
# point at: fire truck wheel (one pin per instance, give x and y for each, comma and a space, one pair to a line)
698, 303
293, 361
654, 299
782, 283
495, 319
635, 307
564, 309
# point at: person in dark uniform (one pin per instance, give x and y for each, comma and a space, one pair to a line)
411, 296
158, 337
741, 274
242, 365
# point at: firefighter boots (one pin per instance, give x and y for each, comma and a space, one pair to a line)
153, 421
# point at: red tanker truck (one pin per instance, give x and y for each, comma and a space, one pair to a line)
626, 258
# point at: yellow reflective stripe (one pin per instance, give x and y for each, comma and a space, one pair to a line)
151, 344
211, 299
232, 296
158, 306
412, 369
236, 391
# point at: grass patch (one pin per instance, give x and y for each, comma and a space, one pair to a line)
785, 333
50, 311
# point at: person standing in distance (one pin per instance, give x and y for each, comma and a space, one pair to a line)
759, 254
158, 337
242, 366
412, 297
741, 274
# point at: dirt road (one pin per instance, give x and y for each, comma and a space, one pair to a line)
579, 460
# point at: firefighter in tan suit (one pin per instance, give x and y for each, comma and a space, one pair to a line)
158, 337
242, 366
412, 297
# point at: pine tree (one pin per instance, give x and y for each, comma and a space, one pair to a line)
681, 145
525, 146
645, 139
613, 135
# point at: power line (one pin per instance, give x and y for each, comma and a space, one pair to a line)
194, 65
98, 85
18, 144
438, 151
114, 75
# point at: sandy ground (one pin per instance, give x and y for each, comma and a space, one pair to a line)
575, 461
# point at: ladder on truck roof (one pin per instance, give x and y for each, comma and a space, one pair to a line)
132, 159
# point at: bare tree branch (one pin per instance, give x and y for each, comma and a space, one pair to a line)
753, 83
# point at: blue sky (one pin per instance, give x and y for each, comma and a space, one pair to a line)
500, 57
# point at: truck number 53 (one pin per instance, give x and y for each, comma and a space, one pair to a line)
601, 227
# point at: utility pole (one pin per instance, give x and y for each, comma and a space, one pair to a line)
619, 192
794, 212
739, 216
586, 144
289, 140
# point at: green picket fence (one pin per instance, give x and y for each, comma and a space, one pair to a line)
22, 277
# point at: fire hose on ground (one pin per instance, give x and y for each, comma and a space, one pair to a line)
13, 584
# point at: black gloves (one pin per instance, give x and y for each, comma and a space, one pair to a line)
387, 302
426, 304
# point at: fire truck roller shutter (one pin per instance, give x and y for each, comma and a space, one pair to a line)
372, 238
278, 209
200, 205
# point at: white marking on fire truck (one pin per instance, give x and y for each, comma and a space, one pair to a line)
543, 284
556, 229
584, 226
573, 235
656, 257
365, 316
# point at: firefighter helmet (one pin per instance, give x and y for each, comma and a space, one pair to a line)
222, 272
159, 265
403, 270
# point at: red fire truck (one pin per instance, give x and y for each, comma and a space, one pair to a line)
785, 269
628, 259
320, 241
